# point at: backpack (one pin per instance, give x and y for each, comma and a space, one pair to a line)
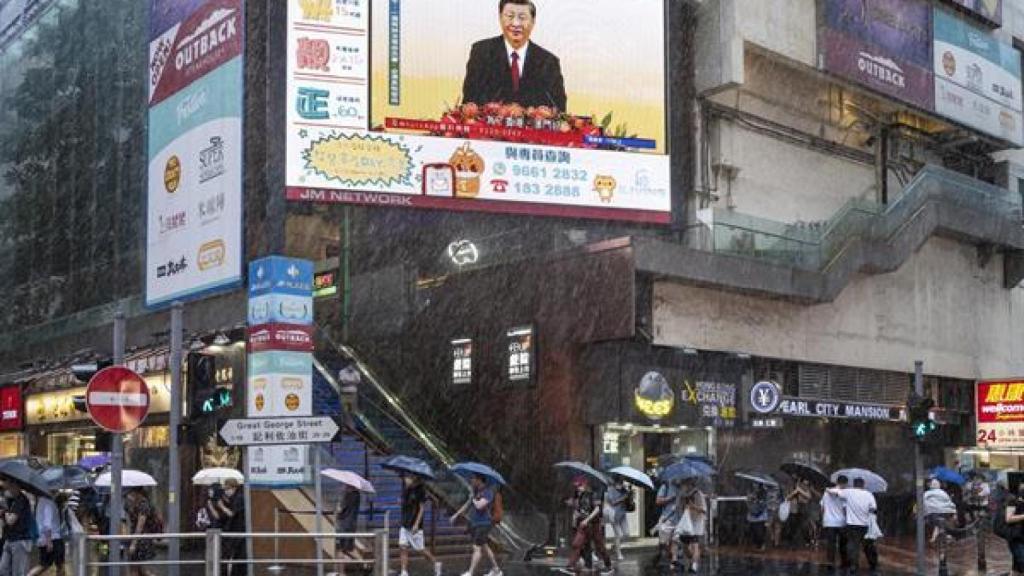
497, 508
630, 500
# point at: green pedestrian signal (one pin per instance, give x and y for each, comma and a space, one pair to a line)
919, 416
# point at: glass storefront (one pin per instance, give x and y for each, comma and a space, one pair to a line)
644, 448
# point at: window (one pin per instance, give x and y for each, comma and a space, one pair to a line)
462, 361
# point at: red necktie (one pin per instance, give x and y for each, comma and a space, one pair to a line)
515, 71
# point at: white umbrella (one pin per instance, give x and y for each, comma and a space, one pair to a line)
129, 479
872, 482
211, 476
634, 476
350, 478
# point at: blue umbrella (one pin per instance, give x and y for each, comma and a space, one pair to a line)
66, 478
409, 465
703, 464
943, 474
685, 470
466, 469
95, 461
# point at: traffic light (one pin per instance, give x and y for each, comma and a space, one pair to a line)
919, 415
215, 400
85, 371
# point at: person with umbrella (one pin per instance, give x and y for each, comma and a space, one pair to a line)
410, 535
861, 508
757, 515
798, 524
478, 510
976, 496
230, 509
18, 522
666, 499
143, 519
833, 512
50, 542
693, 519
346, 521
586, 520
619, 499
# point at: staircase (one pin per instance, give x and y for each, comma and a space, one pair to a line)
379, 436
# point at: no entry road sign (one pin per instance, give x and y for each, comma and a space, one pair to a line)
117, 399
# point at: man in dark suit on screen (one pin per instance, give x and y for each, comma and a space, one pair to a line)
510, 68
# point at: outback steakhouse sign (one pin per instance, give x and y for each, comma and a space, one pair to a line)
1000, 413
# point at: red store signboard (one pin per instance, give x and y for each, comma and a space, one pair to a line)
10, 408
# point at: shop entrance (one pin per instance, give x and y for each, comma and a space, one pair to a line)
646, 448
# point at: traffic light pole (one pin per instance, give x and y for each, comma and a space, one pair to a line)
919, 476
116, 456
174, 482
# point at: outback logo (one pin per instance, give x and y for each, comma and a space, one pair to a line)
293, 337
261, 336
882, 69
172, 174
191, 104
219, 28
212, 255
172, 268
211, 160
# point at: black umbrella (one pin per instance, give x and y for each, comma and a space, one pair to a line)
25, 476
806, 471
575, 467
66, 478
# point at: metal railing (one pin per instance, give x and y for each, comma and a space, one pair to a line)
815, 245
82, 563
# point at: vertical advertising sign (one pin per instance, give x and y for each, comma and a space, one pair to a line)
280, 374
884, 45
977, 78
419, 104
194, 193
999, 411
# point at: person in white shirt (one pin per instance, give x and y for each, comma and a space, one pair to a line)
693, 511
51, 546
939, 509
833, 522
860, 507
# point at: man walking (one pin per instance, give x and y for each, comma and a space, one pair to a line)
617, 499
414, 494
17, 532
586, 521
667, 497
481, 521
51, 546
834, 524
860, 507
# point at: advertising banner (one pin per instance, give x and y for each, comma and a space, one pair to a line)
280, 376
999, 411
977, 78
194, 197
459, 106
10, 408
884, 45
990, 11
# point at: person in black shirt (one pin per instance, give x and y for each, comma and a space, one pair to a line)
17, 520
346, 521
230, 510
414, 494
586, 520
